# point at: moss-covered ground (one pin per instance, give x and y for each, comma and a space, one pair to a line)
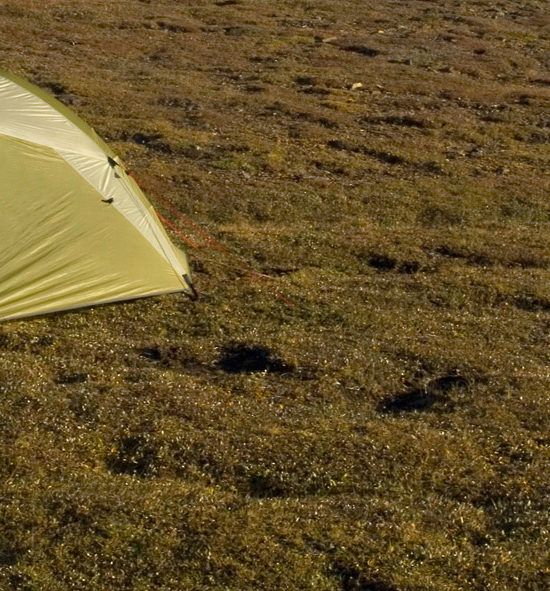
387, 164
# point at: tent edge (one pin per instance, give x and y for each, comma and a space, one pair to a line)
92, 305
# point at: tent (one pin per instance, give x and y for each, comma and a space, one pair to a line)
75, 228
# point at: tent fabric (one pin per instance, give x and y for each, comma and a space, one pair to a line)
75, 229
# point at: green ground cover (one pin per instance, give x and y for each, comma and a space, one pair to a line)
387, 164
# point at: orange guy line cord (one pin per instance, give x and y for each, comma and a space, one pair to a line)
190, 223
255, 275
210, 240
181, 234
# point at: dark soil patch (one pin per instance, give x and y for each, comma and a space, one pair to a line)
243, 358
193, 152
472, 258
381, 262
152, 142
412, 400
445, 383
531, 263
133, 456
254, 88
151, 353
235, 31
57, 88
385, 157
327, 123
422, 399
73, 378
531, 303
279, 271
430, 167
353, 579
8, 557
174, 358
265, 486
304, 81
382, 156
316, 90
539, 137
341, 145
409, 267
361, 49
396, 120
174, 28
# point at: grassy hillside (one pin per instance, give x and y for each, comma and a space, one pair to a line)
387, 163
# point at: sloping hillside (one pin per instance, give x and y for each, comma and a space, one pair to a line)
376, 417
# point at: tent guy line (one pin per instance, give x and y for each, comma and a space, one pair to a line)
240, 263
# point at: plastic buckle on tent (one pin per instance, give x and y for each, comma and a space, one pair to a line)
113, 164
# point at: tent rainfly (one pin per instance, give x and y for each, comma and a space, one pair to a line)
75, 229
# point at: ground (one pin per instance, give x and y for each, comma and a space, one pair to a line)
375, 417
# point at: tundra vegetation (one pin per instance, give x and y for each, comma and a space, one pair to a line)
387, 164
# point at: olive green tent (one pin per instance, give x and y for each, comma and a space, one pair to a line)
75, 229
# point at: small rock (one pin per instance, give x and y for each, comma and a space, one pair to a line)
330, 39
356, 86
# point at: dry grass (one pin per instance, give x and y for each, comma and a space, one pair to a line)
390, 432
